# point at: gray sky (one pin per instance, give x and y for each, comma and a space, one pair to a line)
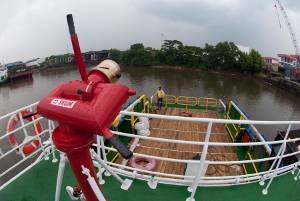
38, 28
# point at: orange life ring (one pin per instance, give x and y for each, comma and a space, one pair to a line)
11, 125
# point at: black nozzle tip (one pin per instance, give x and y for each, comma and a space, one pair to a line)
70, 24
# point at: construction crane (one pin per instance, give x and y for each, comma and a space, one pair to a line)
289, 25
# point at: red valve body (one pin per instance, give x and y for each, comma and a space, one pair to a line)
83, 109
91, 111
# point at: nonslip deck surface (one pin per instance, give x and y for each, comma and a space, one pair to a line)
188, 131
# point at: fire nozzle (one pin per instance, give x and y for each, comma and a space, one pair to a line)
83, 109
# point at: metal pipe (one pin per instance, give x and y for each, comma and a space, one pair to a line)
76, 48
201, 165
60, 175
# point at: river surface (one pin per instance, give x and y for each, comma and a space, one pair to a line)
260, 100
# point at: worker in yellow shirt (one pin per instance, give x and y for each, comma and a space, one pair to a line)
160, 95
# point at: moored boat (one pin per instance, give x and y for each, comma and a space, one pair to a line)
3, 74
17, 70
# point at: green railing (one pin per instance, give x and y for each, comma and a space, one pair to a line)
189, 102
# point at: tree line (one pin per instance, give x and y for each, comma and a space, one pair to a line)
224, 55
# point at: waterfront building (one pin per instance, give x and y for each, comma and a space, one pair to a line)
272, 63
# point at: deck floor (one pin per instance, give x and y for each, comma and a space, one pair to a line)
188, 131
38, 184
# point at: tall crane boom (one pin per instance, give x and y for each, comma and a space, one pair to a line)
289, 25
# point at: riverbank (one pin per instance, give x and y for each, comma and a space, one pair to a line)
216, 70
282, 83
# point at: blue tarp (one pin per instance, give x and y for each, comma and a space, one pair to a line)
14, 64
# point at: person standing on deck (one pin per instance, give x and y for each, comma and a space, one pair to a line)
160, 95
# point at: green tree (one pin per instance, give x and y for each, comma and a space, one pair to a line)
224, 55
116, 55
256, 60
172, 50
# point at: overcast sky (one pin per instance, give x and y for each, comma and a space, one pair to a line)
38, 28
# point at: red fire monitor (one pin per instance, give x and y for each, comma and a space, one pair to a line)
84, 108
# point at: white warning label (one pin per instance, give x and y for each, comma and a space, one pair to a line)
63, 103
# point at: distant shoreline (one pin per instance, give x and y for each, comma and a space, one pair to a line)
216, 71
170, 67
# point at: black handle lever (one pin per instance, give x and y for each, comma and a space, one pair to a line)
122, 149
29, 115
70, 24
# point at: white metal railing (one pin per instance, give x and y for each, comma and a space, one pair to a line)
193, 181
203, 180
22, 131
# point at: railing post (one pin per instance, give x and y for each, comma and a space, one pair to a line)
99, 149
279, 158
132, 119
297, 175
144, 104
151, 103
197, 179
103, 148
51, 127
39, 139
106, 173
60, 175
22, 124
166, 105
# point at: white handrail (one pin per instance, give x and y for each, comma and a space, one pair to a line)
26, 169
207, 120
18, 110
207, 161
225, 182
229, 144
22, 144
20, 128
